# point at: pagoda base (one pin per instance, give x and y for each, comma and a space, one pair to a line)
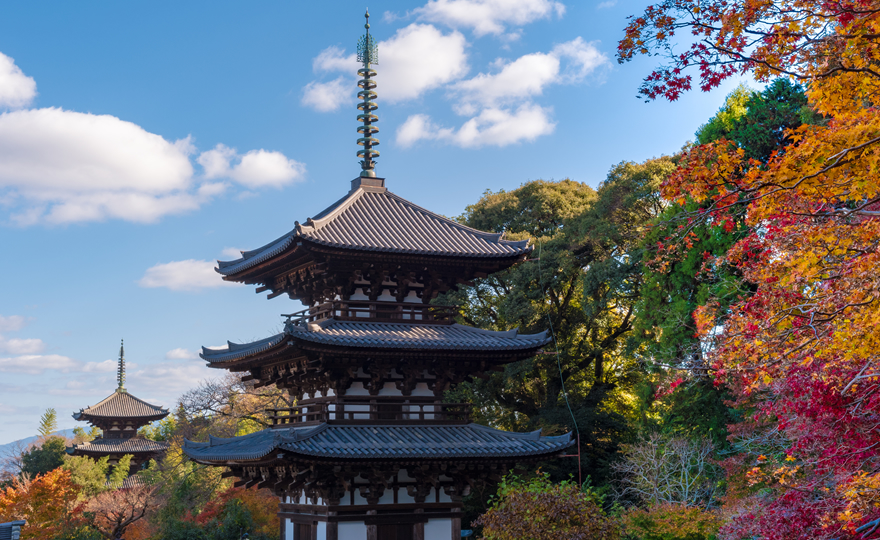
393, 522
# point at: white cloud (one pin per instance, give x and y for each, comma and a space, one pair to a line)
171, 379
21, 346
607, 4
16, 88
329, 96
257, 168
181, 354
36, 364
231, 253
107, 366
62, 167
335, 59
12, 323
492, 127
417, 58
524, 77
488, 16
528, 75
59, 166
188, 275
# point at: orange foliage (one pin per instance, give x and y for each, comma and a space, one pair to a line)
48, 503
261, 503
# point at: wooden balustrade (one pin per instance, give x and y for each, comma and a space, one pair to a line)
371, 411
357, 310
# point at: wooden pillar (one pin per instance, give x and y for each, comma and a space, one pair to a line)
333, 530
372, 530
282, 528
419, 528
456, 528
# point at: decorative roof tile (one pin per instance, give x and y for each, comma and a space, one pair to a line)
237, 351
374, 219
380, 442
11, 530
118, 446
411, 336
454, 337
121, 404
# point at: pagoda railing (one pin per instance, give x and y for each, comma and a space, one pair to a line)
369, 410
366, 311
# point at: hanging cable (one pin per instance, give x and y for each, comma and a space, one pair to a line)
561, 376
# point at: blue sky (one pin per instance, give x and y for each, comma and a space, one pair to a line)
140, 142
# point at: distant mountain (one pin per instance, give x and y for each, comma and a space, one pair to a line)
9, 447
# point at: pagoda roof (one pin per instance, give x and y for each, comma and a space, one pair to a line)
385, 335
118, 446
371, 218
121, 404
379, 442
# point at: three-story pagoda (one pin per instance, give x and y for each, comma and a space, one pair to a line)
371, 451
119, 416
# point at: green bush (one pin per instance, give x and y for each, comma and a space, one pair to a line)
671, 522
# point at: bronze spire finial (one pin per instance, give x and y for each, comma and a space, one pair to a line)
120, 373
367, 53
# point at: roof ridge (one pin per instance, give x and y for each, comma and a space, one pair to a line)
497, 237
341, 205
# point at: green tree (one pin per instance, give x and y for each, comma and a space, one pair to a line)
681, 273
119, 472
80, 435
89, 474
44, 458
48, 423
583, 286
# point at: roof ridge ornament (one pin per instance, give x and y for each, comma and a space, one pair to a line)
120, 372
367, 53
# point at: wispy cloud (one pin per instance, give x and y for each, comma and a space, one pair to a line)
492, 127
488, 16
59, 166
11, 323
188, 275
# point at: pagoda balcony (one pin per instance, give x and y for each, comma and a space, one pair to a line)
366, 311
380, 410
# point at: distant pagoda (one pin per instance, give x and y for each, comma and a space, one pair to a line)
119, 417
371, 451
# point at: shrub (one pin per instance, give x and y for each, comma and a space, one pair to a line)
537, 508
671, 522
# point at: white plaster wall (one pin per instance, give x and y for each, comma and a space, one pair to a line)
288, 530
422, 389
444, 498
435, 529
357, 530
357, 389
322, 530
387, 497
390, 389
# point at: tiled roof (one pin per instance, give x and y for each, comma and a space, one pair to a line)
11, 530
409, 336
374, 219
380, 442
119, 446
454, 337
121, 405
236, 351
